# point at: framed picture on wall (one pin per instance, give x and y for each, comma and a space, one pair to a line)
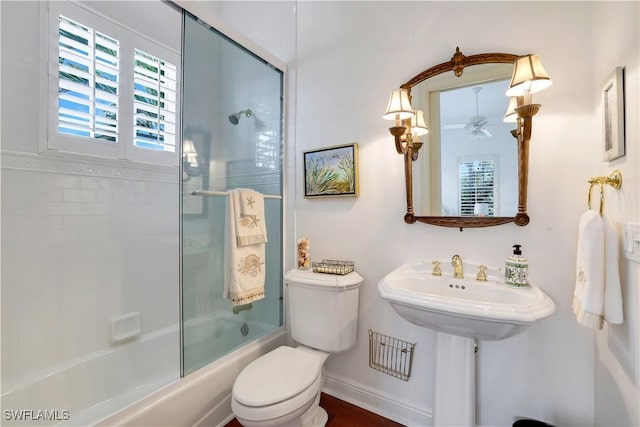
331, 171
613, 125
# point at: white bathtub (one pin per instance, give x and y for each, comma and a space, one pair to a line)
202, 398
207, 338
89, 387
141, 376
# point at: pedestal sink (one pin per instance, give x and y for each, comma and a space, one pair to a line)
461, 311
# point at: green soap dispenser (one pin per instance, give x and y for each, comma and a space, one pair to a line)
516, 269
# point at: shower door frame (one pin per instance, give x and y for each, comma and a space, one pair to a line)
206, 18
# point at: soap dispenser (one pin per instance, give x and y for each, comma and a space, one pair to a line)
516, 269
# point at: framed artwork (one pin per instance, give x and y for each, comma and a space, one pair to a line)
613, 126
331, 171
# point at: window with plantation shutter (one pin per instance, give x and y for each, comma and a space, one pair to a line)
154, 102
88, 79
477, 184
112, 92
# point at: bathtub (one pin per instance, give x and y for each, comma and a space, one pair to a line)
142, 376
209, 337
202, 398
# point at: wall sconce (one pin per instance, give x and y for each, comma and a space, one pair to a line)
409, 123
190, 164
528, 78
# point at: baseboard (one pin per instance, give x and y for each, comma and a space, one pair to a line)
377, 402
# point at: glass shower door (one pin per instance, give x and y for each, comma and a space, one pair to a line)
232, 138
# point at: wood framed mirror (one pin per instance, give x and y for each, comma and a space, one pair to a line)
472, 169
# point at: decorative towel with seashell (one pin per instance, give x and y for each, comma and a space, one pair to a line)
245, 239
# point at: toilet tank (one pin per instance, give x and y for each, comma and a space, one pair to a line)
323, 309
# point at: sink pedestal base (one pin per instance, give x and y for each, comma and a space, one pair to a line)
455, 387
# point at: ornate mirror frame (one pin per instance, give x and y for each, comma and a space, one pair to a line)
522, 134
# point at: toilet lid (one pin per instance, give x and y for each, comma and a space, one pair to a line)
276, 376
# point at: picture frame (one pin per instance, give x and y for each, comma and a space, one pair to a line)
331, 171
613, 139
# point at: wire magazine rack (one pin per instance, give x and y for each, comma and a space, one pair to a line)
390, 355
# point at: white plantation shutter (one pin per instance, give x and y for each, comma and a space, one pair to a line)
154, 102
88, 81
112, 91
477, 185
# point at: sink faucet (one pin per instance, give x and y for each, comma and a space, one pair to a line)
456, 262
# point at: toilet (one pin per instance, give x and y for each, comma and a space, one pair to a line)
282, 388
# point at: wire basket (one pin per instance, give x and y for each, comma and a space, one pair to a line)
390, 355
332, 266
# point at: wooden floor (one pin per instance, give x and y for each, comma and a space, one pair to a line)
343, 414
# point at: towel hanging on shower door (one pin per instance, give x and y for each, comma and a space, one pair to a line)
244, 263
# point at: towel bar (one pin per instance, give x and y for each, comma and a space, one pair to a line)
225, 193
614, 180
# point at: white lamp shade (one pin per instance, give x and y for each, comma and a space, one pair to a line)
481, 209
418, 126
399, 107
510, 116
188, 147
528, 76
189, 152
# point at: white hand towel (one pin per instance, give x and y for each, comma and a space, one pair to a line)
588, 296
249, 217
244, 274
612, 311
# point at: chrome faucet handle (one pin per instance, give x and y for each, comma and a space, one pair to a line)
436, 268
482, 274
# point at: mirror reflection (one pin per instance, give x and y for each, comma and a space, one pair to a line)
468, 165
478, 169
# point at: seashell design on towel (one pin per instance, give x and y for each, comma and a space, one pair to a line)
249, 221
250, 265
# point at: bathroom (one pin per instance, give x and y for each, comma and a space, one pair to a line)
342, 60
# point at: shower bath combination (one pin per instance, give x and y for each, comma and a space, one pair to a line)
235, 117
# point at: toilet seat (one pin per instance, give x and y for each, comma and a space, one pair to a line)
283, 411
281, 382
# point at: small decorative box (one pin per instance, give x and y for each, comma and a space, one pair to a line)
332, 266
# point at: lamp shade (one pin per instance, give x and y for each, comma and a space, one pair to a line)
188, 147
399, 107
189, 152
481, 209
418, 126
510, 116
528, 76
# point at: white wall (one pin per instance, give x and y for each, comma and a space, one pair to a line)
616, 42
350, 55
343, 59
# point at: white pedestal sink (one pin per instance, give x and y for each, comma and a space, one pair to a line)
461, 311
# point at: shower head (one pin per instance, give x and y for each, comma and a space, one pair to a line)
235, 117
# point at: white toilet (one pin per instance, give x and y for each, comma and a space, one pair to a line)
282, 388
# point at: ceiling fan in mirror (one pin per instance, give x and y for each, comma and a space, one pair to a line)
477, 125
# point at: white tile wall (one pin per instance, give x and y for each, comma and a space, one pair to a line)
76, 251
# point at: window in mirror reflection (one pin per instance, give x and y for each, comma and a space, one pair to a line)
477, 187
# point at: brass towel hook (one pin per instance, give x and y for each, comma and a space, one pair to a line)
614, 180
